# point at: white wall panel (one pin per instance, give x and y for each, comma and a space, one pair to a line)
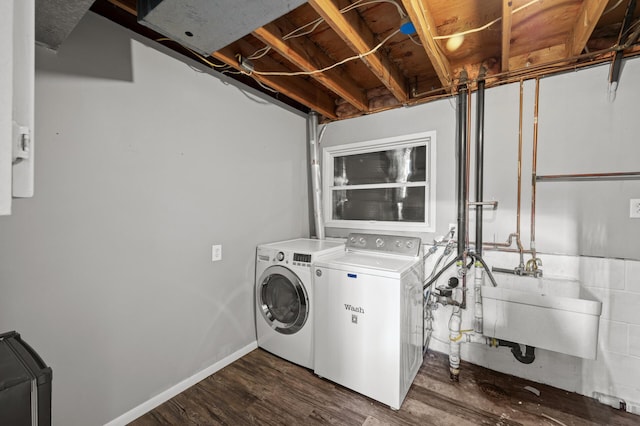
144, 163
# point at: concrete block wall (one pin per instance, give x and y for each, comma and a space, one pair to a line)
615, 371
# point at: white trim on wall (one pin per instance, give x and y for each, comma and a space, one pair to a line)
152, 403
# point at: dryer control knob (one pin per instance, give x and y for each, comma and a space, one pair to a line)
318, 272
280, 256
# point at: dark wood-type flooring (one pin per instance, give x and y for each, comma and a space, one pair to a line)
263, 389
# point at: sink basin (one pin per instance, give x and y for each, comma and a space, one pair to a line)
545, 313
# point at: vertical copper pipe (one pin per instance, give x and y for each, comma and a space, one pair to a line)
534, 166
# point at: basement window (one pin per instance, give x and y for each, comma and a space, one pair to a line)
384, 185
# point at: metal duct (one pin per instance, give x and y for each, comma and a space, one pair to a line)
461, 168
55, 19
316, 178
207, 26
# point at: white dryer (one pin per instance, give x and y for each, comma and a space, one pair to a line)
284, 294
369, 323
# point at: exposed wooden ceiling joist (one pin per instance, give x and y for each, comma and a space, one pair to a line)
590, 13
537, 57
308, 57
507, 7
422, 19
361, 40
125, 6
534, 38
294, 87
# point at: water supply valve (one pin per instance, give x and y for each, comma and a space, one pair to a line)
444, 291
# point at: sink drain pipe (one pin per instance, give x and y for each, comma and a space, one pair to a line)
462, 144
527, 357
456, 336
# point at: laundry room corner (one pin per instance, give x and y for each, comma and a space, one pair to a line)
108, 271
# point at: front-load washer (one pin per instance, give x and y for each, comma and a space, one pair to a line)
368, 316
284, 294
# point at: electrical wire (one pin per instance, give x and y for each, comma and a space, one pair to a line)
395, 3
612, 7
316, 23
344, 61
414, 40
594, 58
259, 53
264, 86
485, 26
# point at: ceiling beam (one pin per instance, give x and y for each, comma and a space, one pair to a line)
296, 88
357, 35
546, 55
422, 19
590, 13
507, 7
306, 55
125, 5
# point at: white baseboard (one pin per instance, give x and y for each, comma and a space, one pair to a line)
152, 403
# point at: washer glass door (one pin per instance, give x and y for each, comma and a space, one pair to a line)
282, 300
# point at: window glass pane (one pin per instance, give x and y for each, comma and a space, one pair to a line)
382, 204
395, 165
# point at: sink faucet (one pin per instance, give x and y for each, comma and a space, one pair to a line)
534, 267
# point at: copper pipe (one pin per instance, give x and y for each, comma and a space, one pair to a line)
590, 176
533, 71
510, 250
504, 247
534, 166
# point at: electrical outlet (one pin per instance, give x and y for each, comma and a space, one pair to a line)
216, 252
634, 208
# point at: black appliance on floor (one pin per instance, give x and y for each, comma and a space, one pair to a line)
25, 384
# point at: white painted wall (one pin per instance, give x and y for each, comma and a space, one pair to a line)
583, 229
143, 164
439, 116
580, 131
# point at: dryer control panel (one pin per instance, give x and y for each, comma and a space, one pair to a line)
286, 257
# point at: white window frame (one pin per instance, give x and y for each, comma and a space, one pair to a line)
428, 139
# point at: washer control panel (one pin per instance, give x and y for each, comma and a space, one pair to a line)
395, 244
288, 258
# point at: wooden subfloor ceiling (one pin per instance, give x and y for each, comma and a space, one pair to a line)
262, 389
